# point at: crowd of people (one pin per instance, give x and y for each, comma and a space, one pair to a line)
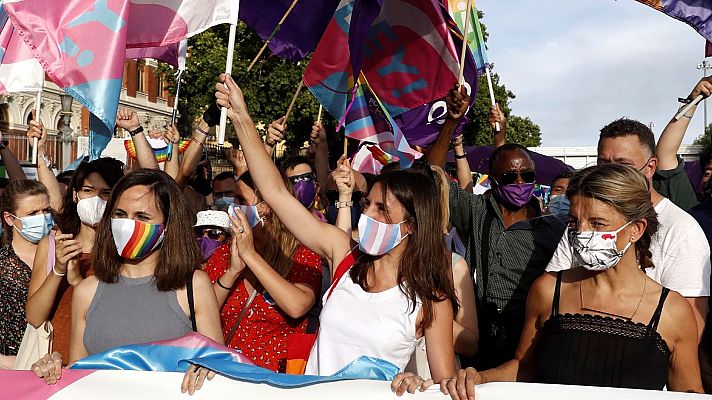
606, 283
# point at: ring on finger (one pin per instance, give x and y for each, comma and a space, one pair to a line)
241, 229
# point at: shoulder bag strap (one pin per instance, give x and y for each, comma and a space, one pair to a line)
343, 267
191, 303
240, 317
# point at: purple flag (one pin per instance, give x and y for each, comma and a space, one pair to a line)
300, 32
696, 13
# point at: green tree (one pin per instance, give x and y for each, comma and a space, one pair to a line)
705, 139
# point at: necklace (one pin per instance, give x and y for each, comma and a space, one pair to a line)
583, 307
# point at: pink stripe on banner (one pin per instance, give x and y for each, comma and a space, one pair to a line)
25, 385
154, 25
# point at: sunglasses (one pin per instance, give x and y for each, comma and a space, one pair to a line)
333, 196
212, 233
511, 177
309, 176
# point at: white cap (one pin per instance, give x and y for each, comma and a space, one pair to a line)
213, 218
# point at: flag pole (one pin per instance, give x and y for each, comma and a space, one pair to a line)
174, 114
346, 145
294, 100
491, 93
271, 35
38, 105
687, 108
463, 52
228, 70
318, 116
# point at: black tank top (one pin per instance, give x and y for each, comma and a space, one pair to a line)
583, 349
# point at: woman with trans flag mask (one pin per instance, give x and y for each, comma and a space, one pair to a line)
26, 218
147, 285
399, 283
63, 258
604, 323
264, 279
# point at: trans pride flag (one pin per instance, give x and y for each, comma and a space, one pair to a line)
81, 44
696, 13
19, 71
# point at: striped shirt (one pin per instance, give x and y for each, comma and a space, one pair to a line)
517, 255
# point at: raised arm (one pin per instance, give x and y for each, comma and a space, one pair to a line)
464, 174
44, 173
12, 166
191, 157
128, 121
172, 166
457, 102
344, 177
275, 134
324, 239
671, 138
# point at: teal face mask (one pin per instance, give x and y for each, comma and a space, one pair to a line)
35, 227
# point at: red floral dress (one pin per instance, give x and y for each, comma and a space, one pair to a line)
262, 334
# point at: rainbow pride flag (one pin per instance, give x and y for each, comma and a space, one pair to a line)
161, 154
475, 39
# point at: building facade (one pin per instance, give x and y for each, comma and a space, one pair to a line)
143, 90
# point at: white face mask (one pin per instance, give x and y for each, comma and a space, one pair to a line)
597, 251
91, 210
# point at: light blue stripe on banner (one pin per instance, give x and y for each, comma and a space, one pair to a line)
357, 125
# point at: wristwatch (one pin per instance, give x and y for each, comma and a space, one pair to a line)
344, 204
136, 131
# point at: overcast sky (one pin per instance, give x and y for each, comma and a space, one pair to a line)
577, 65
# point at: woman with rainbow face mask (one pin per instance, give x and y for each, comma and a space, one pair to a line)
142, 272
396, 284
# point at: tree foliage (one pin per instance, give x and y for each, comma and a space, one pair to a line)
705, 140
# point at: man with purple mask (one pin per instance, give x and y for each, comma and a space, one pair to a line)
212, 230
509, 243
301, 175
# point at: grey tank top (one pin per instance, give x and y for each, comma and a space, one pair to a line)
132, 311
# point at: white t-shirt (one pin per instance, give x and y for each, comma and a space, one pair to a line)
357, 323
681, 254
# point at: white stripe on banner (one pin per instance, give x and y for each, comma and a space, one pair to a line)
135, 385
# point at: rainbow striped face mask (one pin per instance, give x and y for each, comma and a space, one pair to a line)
135, 239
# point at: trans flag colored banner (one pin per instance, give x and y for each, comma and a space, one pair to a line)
81, 44
19, 70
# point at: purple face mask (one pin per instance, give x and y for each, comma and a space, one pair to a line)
515, 195
305, 192
208, 246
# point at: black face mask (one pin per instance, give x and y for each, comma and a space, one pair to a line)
332, 212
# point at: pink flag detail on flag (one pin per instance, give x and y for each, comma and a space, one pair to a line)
364, 162
19, 70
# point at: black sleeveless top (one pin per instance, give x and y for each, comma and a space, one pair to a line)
583, 349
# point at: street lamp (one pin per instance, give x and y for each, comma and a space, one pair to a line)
66, 131
704, 66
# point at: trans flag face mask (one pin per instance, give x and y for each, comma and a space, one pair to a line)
597, 251
135, 239
377, 238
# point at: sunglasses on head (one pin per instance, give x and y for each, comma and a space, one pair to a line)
333, 196
213, 233
511, 177
309, 176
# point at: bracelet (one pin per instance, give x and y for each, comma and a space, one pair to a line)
199, 129
136, 131
47, 160
344, 204
684, 100
461, 156
221, 285
57, 273
197, 141
685, 115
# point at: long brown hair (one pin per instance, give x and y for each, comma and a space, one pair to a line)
10, 201
425, 273
628, 191
280, 245
179, 257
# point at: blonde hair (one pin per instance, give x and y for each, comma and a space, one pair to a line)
443, 184
628, 191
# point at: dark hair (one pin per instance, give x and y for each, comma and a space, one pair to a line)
705, 157
179, 257
425, 272
370, 180
508, 148
109, 169
294, 160
563, 175
224, 175
4, 182
625, 189
628, 127
10, 201
65, 176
